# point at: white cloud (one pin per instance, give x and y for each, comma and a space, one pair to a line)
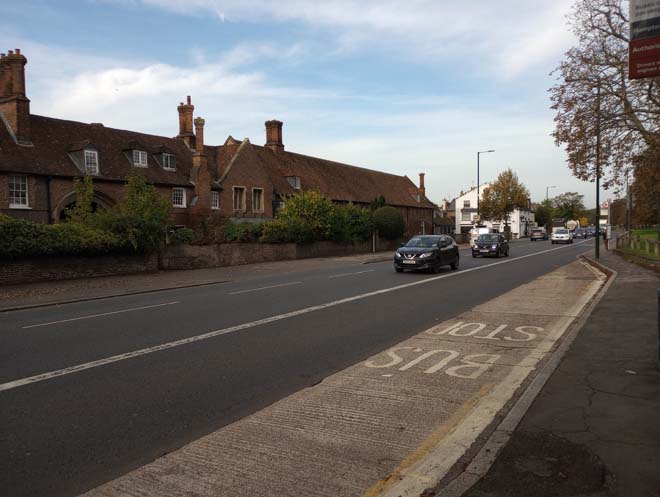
500, 38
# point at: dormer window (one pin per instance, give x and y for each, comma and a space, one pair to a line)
91, 162
169, 161
294, 181
139, 158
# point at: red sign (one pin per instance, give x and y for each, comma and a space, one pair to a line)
644, 58
644, 46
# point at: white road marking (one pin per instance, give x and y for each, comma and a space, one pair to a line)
266, 287
169, 345
349, 274
100, 315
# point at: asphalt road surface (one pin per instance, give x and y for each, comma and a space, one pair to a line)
91, 390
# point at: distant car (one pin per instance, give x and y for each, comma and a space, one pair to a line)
477, 232
562, 236
427, 252
591, 231
580, 233
490, 244
538, 234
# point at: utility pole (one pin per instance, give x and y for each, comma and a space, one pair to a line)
546, 191
598, 171
478, 184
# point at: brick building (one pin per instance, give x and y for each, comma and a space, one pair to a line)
41, 156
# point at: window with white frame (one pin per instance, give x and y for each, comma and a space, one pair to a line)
139, 158
239, 198
294, 181
257, 200
466, 204
91, 162
215, 199
18, 192
465, 216
178, 197
169, 161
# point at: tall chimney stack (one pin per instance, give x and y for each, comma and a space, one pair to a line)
274, 135
186, 122
199, 135
14, 104
422, 189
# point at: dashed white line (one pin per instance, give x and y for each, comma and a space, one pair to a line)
99, 315
169, 345
265, 287
349, 274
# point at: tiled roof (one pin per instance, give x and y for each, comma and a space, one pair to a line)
339, 182
55, 139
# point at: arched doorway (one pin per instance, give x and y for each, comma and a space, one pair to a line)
99, 201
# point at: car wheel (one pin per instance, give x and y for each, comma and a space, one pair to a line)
474, 256
454, 265
398, 269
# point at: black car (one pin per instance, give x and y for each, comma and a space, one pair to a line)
490, 244
580, 233
427, 252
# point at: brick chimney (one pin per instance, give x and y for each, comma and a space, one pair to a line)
200, 176
14, 104
422, 189
199, 135
274, 135
186, 122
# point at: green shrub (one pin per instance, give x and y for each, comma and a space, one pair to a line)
19, 238
211, 230
293, 230
139, 219
311, 216
352, 223
182, 235
389, 222
243, 232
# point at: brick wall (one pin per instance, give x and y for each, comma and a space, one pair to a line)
30, 270
235, 254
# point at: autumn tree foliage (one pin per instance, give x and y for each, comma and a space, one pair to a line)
646, 189
593, 93
502, 197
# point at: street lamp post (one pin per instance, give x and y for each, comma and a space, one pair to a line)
598, 171
478, 185
546, 191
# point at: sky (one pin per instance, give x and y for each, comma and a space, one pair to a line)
400, 86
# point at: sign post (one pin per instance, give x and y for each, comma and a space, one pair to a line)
644, 45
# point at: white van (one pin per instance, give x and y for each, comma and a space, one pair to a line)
475, 232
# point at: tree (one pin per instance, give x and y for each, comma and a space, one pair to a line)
389, 222
543, 213
82, 209
626, 112
501, 198
568, 205
140, 218
646, 189
312, 211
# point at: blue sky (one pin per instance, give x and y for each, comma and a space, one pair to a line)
400, 86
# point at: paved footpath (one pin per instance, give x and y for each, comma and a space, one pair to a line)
594, 430
389, 426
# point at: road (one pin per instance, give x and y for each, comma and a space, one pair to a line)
91, 390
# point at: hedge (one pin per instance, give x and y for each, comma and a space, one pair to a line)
19, 238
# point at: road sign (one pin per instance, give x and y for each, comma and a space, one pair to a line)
644, 45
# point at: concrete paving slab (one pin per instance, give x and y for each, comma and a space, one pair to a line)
392, 425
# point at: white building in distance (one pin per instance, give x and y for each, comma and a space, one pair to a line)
521, 221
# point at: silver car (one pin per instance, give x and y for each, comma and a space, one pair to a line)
562, 236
